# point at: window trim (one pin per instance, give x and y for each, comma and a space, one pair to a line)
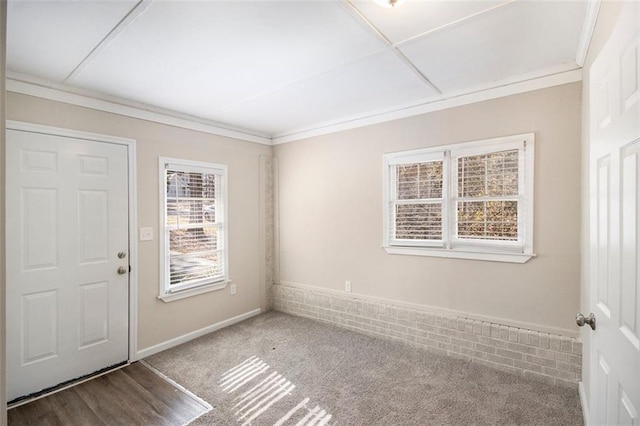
451, 246
166, 292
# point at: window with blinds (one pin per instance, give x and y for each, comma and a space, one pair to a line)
193, 254
418, 202
471, 197
487, 196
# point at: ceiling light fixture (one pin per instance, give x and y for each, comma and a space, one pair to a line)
388, 3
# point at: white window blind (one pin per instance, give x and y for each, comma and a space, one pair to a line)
471, 197
417, 206
488, 194
194, 243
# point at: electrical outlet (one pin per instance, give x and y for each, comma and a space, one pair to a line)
232, 289
347, 286
146, 234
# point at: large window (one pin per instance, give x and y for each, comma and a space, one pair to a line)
472, 200
193, 253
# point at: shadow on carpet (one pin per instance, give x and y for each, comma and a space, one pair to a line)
278, 369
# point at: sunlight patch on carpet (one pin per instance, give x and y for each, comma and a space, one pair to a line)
258, 390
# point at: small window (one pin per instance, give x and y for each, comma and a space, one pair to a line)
471, 200
193, 254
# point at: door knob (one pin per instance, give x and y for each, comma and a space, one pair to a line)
122, 255
582, 320
122, 270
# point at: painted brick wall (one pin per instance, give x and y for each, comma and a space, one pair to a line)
269, 184
267, 231
541, 356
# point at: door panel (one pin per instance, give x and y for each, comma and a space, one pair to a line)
627, 413
67, 219
39, 319
602, 398
94, 323
630, 81
93, 226
615, 204
603, 200
40, 210
629, 293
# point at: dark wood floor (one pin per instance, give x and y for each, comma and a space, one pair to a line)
133, 395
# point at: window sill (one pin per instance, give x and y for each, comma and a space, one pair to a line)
182, 294
461, 254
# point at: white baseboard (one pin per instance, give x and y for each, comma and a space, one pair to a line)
584, 403
143, 353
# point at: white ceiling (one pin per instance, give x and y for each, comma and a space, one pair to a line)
278, 68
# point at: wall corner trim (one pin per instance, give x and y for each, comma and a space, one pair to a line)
152, 350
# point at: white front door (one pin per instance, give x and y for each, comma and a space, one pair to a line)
67, 222
615, 225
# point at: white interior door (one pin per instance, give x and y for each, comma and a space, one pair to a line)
67, 221
615, 211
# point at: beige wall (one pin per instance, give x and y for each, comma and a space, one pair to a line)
607, 17
159, 321
331, 213
3, 44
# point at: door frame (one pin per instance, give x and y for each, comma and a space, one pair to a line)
133, 209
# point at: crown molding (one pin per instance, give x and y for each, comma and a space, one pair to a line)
593, 7
27, 85
556, 76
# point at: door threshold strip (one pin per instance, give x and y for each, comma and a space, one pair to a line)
208, 407
64, 385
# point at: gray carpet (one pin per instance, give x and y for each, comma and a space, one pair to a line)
280, 369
